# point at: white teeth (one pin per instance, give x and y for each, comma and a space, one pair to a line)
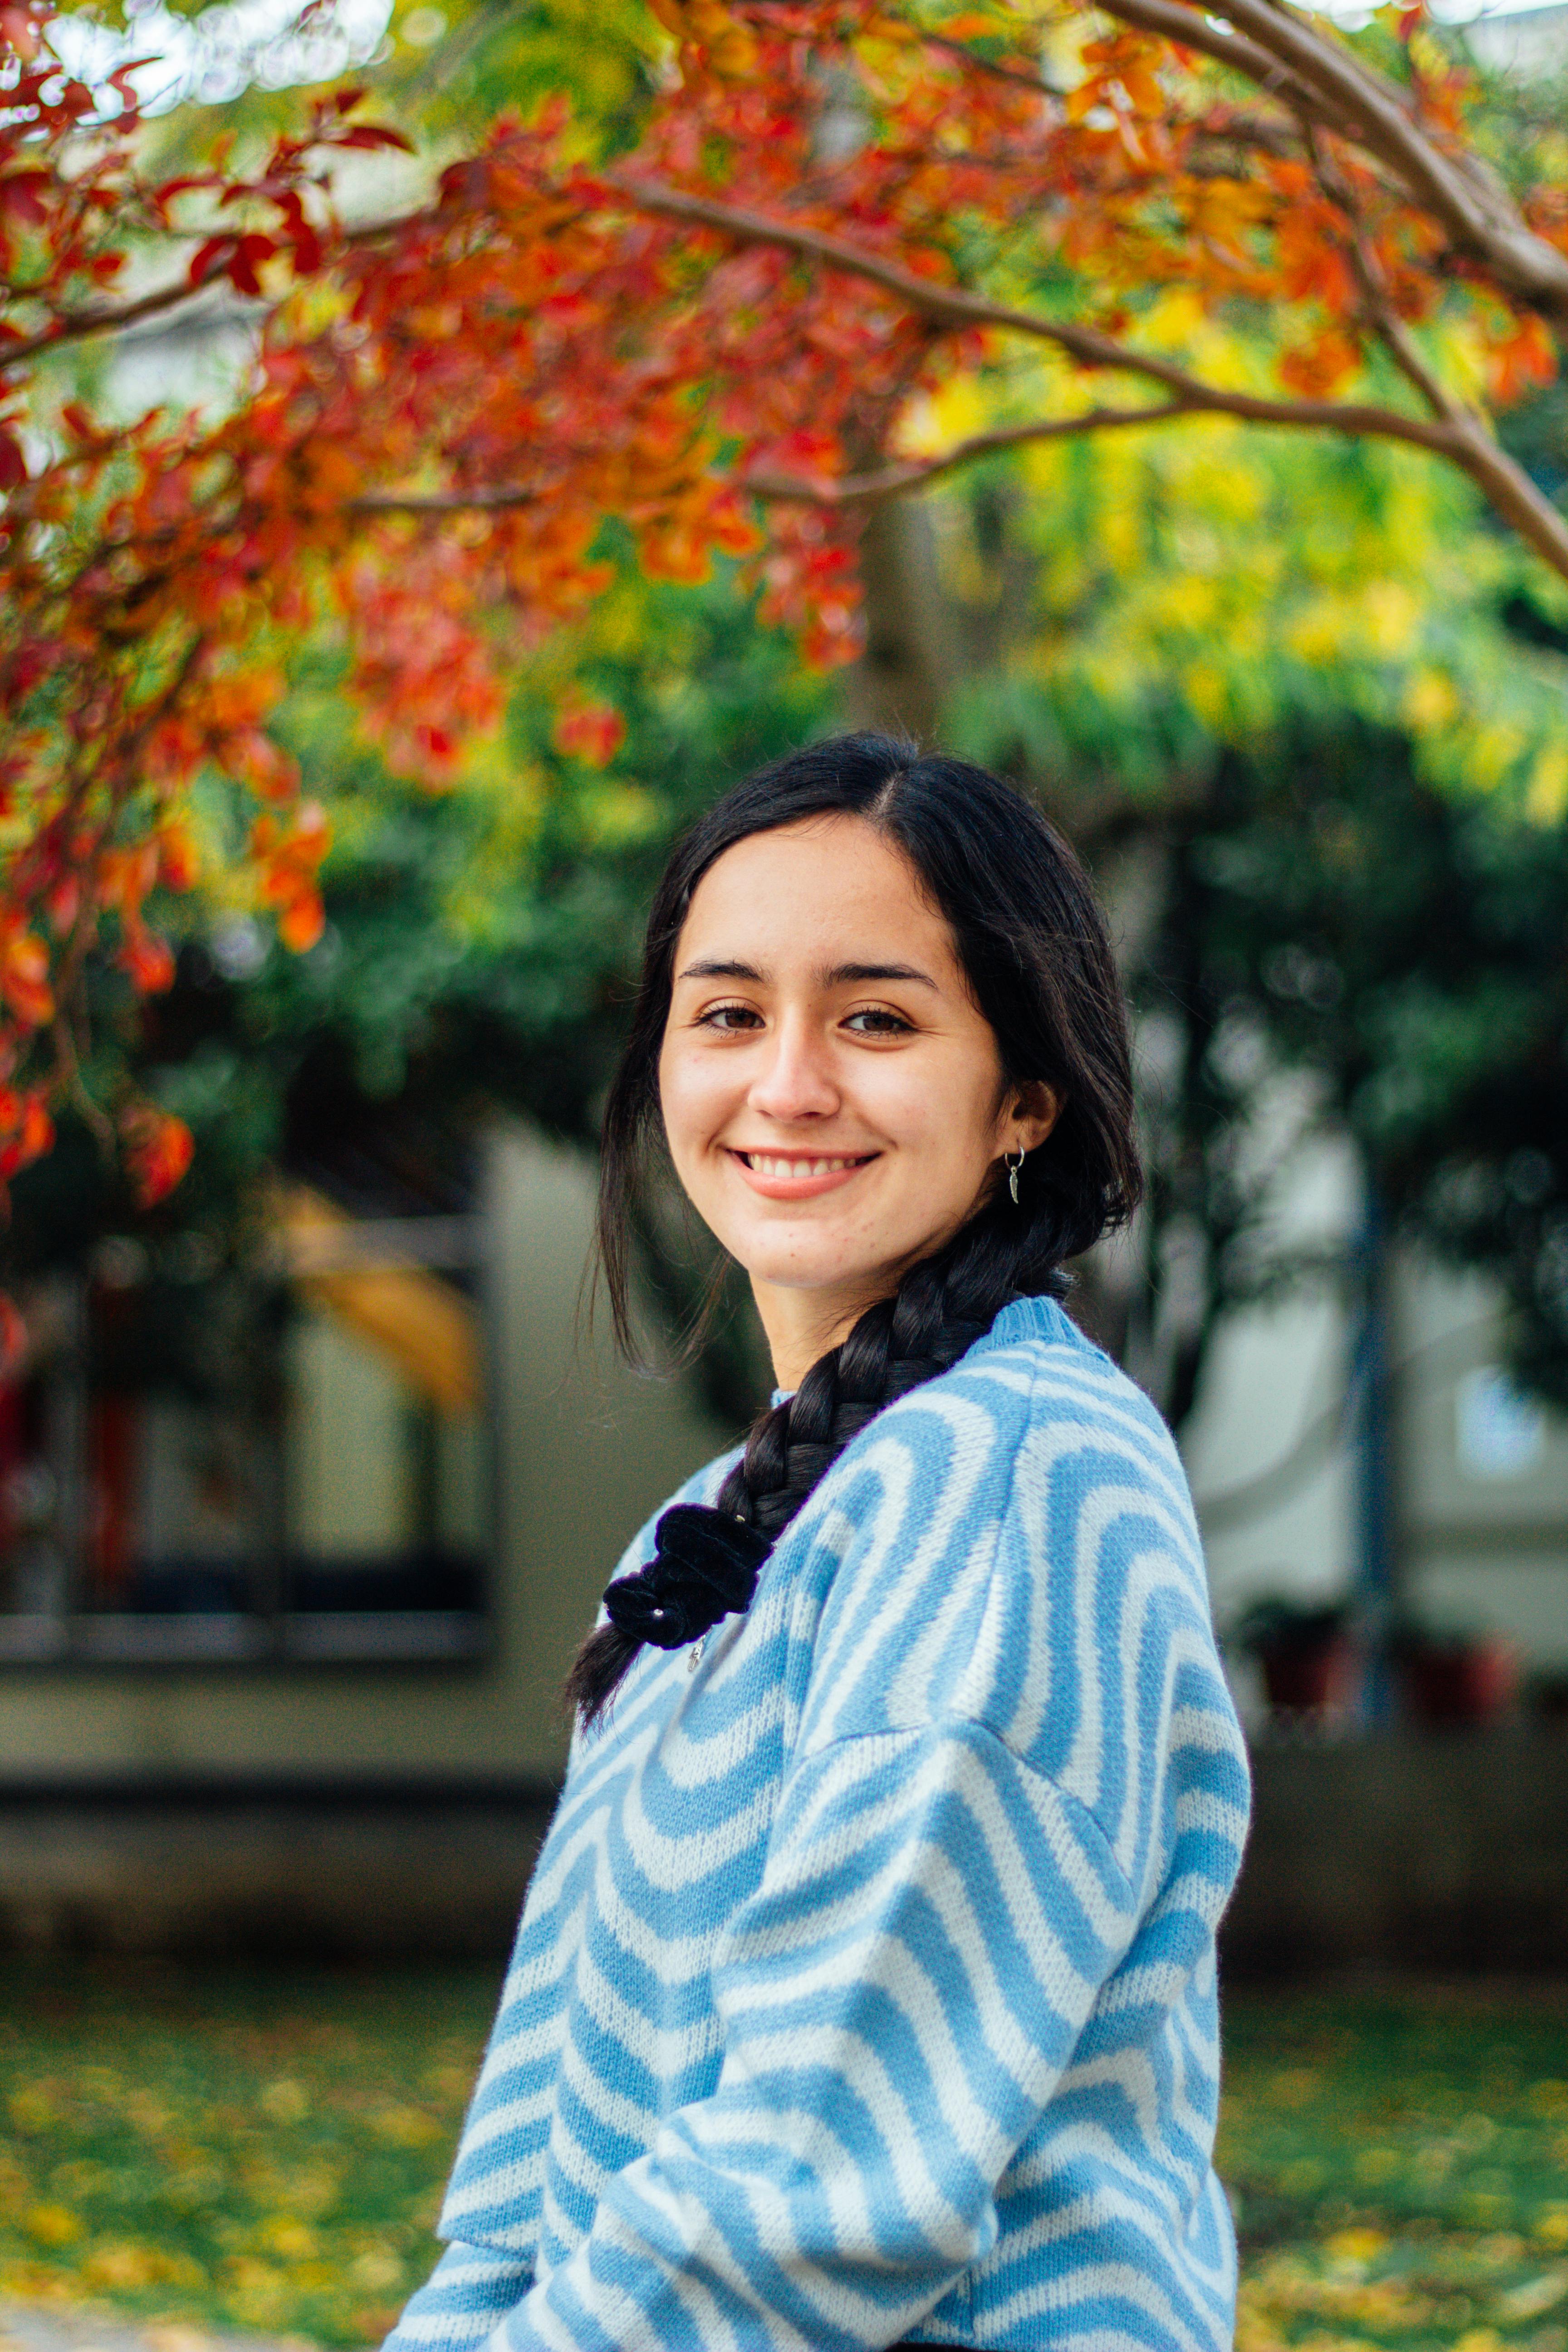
762, 1163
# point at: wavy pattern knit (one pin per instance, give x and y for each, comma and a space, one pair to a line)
866, 1984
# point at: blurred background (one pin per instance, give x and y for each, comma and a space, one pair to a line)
309, 1477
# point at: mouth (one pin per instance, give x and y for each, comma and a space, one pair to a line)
799, 1175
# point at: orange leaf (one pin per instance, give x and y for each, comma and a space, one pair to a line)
1523, 361
1317, 368
24, 980
179, 860
590, 731
303, 921
37, 1131
158, 1150
150, 960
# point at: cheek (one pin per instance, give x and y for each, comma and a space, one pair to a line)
951, 1122
692, 1096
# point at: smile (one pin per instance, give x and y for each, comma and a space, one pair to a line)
773, 1163
798, 1175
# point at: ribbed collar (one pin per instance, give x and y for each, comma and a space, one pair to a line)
1027, 1318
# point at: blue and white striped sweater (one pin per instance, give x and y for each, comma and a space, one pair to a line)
866, 1984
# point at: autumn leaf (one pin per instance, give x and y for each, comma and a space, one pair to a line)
1320, 367
13, 1336
25, 975
150, 960
157, 1150
688, 344
590, 731
179, 860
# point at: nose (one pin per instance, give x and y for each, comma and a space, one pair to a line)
796, 1080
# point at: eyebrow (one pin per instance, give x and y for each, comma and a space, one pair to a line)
837, 975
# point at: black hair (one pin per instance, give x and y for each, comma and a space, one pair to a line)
1032, 943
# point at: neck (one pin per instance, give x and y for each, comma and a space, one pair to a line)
802, 1325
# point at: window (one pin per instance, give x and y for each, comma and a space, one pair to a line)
290, 1461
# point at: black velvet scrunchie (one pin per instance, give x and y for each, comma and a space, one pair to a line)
704, 1567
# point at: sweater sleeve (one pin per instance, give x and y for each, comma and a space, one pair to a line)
898, 1999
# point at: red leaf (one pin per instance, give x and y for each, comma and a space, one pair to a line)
119, 82
303, 921
12, 464
158, 1150
150, 960
368, 135
12, 1337
201, 267
590, 731
253, 248
170, 189
306, 247
23, 193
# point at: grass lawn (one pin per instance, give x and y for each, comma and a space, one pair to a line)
266, 2151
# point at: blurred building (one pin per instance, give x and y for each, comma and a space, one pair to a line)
1398, 1471
293, 1562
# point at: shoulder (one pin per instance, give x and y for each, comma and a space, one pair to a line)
1066, 1412
1034, 1398
994, 1531
1035, 1351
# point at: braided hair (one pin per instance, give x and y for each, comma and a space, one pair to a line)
1033, 946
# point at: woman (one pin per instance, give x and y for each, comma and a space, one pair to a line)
865, 1989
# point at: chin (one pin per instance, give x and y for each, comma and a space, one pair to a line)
790, 1273
795, 1271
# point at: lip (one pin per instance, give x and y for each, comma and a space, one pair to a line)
800, 1188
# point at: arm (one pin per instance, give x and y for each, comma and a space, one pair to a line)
897, 2000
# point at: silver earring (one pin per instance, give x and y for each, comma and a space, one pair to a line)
1013, 1168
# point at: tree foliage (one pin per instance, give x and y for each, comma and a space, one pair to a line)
710, 322
1334, 918
478, 949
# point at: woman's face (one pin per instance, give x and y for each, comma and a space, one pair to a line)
833, 1096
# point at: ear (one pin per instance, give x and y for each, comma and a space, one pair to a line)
1036, 1110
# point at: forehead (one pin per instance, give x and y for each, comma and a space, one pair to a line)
789, 892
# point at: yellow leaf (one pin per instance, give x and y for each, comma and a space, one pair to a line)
1546, 803
406, 2128
1430, 701
52, 2225
1360, 2245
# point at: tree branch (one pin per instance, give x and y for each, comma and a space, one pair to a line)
1019, 76
77, 326
893, 481
1479, 215
1461, 439
1389, 327
955, 307
80, 326
1172, 20
418, 502
1510, 491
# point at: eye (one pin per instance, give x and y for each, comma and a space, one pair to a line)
730, 1018
879, 1021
